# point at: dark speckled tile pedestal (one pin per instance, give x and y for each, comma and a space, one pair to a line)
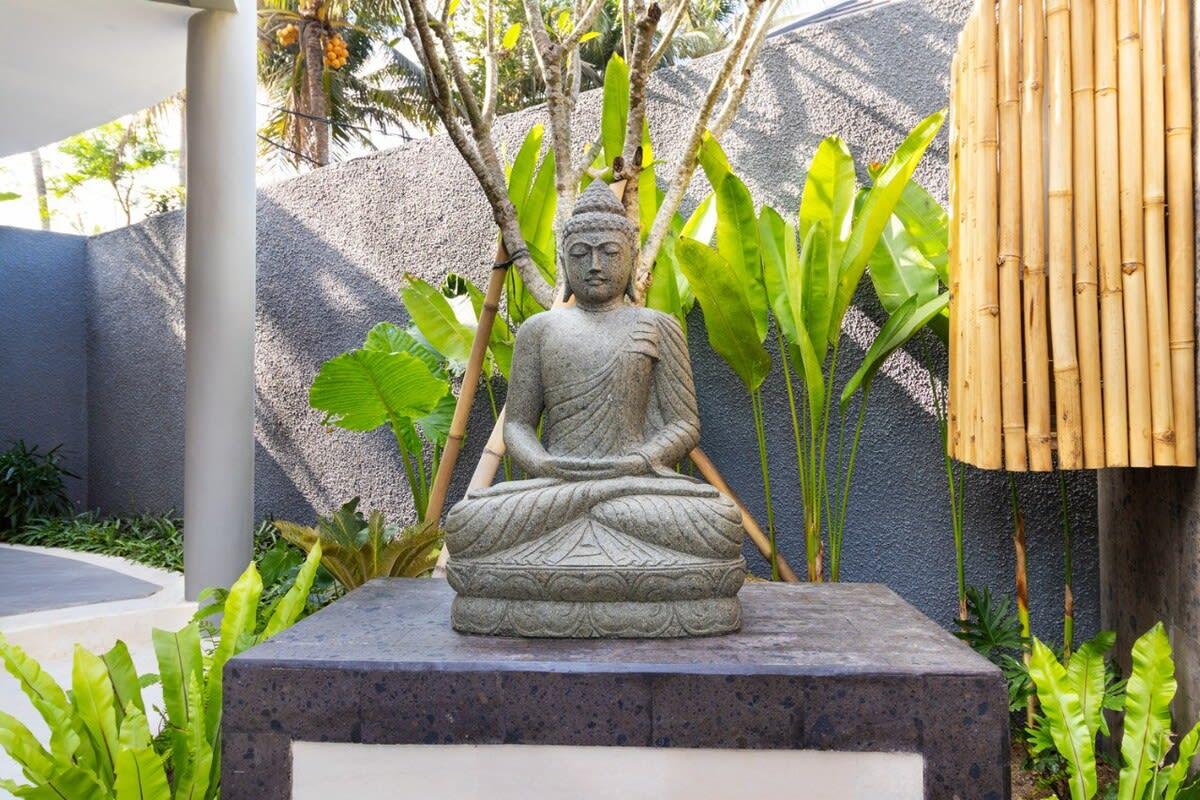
848, 667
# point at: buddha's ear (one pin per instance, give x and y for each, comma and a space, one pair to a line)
631, 287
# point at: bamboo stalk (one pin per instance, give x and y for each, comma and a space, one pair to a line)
1137, 346
709, 470
1033, 247
954, 254
1108, 236
1011, 362
466, 395
990, 453
1154, 199
969, 326
1059, 215
1181, 226
1087, 319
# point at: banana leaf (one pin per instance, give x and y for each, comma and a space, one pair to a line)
894, 334
1064, 716
877, 208
926, 222
828, 200
728, 316
615, 111
1147, 721
737, 242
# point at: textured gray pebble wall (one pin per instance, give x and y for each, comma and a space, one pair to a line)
333, 246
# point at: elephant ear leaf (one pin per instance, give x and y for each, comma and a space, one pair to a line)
1147, 722
364, 389
434, 317
728, 317
1064, 717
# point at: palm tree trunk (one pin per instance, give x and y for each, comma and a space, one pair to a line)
314, 94
39, 182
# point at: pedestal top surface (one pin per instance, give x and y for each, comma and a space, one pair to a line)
788, 629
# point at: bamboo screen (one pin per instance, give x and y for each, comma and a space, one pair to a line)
1071, 243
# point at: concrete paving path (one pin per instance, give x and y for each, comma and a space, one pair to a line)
37, 581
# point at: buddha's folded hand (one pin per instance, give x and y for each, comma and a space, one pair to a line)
573, 468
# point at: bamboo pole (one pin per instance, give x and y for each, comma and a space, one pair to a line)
1108, 236
1181, 226
470, 383
1059, 215
954, 254
1137, 346
1011, 361
990, 453
1087, 311
709, 470
1033, 248
1155, 232
969, 326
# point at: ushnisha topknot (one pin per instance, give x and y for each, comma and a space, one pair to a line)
598, 209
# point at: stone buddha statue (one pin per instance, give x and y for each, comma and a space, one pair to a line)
604, 538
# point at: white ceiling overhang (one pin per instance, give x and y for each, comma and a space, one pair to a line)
70, 65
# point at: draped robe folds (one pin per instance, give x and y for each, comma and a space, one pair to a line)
641, 401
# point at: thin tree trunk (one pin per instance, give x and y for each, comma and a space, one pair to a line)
183, 140
314, 93
39, 181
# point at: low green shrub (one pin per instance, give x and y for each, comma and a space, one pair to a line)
101, 746
32, 485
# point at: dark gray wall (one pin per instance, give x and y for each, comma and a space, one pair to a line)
43, 364
334, 245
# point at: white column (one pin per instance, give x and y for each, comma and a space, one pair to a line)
219, 307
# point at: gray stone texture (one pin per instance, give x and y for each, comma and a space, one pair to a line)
1150, 547
43, 361
827, 667
333, 246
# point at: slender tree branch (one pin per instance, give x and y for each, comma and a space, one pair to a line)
626, 44
558, 108
639, 73
687, 163
664, 43
733, 99
582, 25
491, 73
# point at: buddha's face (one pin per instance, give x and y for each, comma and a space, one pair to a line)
599, 265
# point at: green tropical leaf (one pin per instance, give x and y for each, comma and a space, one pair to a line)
435, 426
292, 604
899, 270
192, 776
24, 748
180, 660
1087, 674
364, 389
536, 218
877, 208
524, 166
241, 614
511, 36
140, 774
1147, 721
728, 316
894, 334
388, 338
781, 271
93, 699
615, 111
713, 160
124, 678
817, 288
828, 199
42, 690
1178, 772
702, 223
928, 225
433, 315
737, 242
1064, 716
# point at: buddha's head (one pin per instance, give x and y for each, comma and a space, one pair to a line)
599, 249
